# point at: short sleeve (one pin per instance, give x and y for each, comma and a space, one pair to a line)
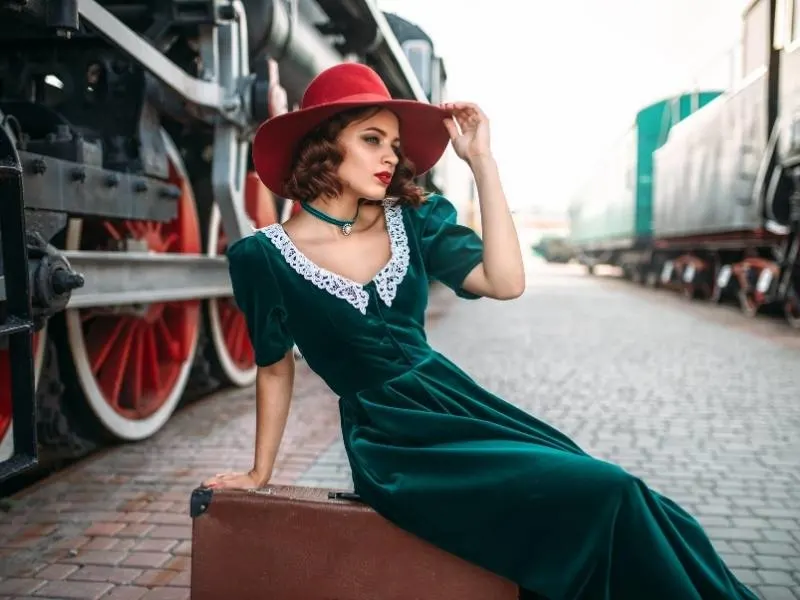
450, 250
257, 295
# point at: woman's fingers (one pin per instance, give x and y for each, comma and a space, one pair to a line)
220, 477
468, 115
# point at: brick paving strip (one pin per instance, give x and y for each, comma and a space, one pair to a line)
116, 525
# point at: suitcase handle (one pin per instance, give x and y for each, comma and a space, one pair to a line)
344, 496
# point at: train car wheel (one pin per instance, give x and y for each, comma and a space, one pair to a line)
791, 309
132, 363
724, 284
6, 421
227, 328
748, 304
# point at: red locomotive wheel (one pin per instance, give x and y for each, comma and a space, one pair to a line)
133, 361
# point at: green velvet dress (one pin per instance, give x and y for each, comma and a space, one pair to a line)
447, 460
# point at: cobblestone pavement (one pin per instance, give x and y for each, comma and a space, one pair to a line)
705, 412
700, 402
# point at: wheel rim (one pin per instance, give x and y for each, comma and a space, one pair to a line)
6, 424
227, 326
133, 365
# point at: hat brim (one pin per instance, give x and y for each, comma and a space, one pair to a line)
423, 136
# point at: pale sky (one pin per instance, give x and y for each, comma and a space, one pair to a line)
564, 81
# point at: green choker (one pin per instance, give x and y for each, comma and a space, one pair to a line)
345, 226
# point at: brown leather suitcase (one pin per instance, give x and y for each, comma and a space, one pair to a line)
301, 543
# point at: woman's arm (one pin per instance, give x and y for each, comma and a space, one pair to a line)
501, 275
274, 385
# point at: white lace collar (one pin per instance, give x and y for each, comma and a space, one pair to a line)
386, 281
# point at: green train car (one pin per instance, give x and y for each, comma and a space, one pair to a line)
611, 215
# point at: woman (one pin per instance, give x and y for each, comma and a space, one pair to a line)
431, 450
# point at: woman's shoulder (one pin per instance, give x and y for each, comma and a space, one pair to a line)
251, 268
435, 207
249, 253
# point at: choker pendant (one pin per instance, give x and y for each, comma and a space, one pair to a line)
346, 227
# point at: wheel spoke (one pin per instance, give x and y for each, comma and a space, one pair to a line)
112, 231
113, 373
168, 344
151, 360
171, 242
136, 385
102, 336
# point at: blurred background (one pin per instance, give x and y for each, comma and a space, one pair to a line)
559, 80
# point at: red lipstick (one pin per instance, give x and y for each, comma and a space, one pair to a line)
384, 177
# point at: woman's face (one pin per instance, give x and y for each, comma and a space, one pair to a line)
370, 155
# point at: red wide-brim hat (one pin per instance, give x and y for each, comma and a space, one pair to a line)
423, 136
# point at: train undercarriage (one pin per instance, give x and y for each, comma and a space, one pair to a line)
718, 214
758, 271
125, 129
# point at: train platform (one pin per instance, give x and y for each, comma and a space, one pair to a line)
699, 401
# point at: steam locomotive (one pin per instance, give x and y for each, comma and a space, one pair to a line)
703, 193
125, 171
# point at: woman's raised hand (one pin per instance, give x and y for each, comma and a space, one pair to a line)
473, 140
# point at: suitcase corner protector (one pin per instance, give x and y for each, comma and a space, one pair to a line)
200, 500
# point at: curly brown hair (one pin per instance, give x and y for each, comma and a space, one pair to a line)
318, 156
